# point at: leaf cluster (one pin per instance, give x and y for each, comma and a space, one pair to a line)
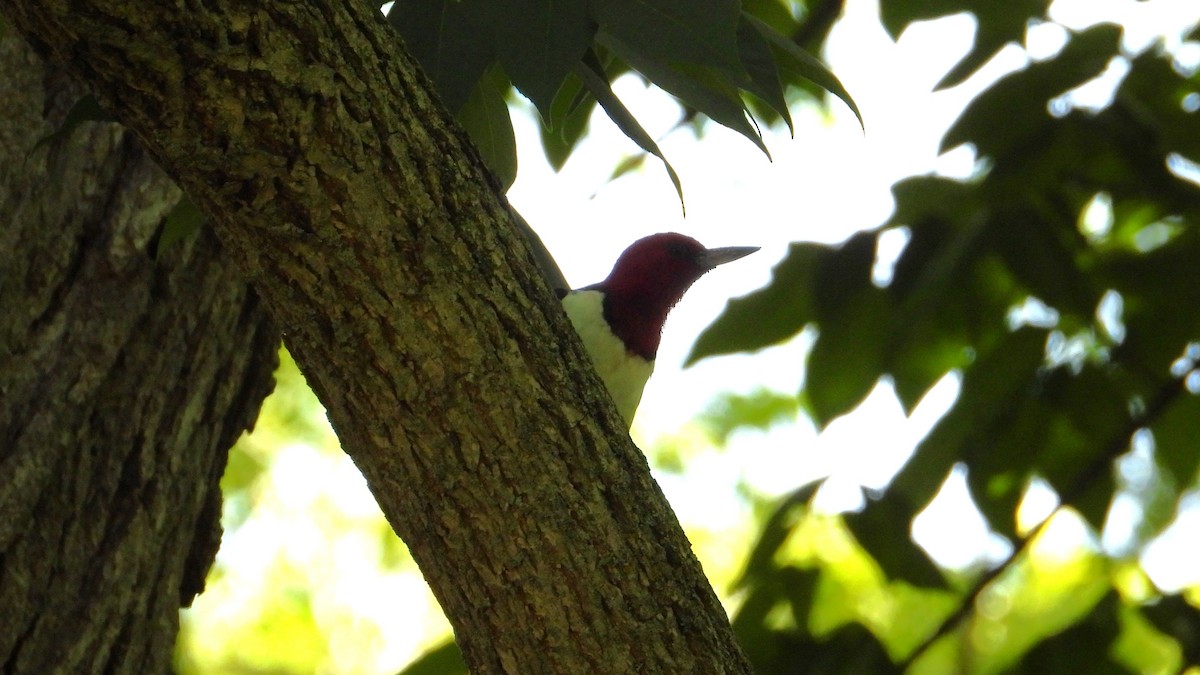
1060, 284
721, 58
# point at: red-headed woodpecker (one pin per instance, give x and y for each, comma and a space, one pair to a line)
621, 318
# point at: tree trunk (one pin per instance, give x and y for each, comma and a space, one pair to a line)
123, 382
389, 260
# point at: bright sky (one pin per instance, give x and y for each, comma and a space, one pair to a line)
830, 181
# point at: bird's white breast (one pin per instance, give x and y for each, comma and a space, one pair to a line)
623, 373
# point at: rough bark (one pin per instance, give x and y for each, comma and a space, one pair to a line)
123, 382
390, 262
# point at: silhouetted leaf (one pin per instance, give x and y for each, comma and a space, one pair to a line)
1090, 429
1015, 107
183, 220
538, 41
1082, 648
709, 89
1177, 439
1174, 616
850, 650
997, 24
795, 59
759, 62
947, 298
1066, 424
569, 115
991, 386
452, 49
702, 32
593, 78
884, 529
486, 119
443, 660
775, 531
770, 315
842, 275
848, 357
1045, 255
854, 317
1161, 290
1157, 90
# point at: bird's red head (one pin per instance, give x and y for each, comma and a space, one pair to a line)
649, 278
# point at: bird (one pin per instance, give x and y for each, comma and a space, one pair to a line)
620, 319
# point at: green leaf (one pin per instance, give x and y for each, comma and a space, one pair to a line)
896, 15
775, 13
1174, 616
242, 470
1091, 418
1001, 459
991, 385
770, 315
793, 58
569, 115
708, 89
1046, 255
86, 109
842, 276
851, 650
944, 299
997, 24
1082, 648
950, 203
759, 410
772, 650
626, 165
1158, 89
855, 321
1177, 439
442, 37
593, 78
759, 62
442, 660
760, 563
1013, 109
183, 220
1161, 290
538, 41
487, 121
1064, 430
701, 32
848, 357
884, 529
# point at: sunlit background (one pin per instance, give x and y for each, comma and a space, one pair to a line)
310, 578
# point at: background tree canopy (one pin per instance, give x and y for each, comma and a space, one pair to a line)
1058, 285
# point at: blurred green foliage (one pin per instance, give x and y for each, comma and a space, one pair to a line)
1090, 215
